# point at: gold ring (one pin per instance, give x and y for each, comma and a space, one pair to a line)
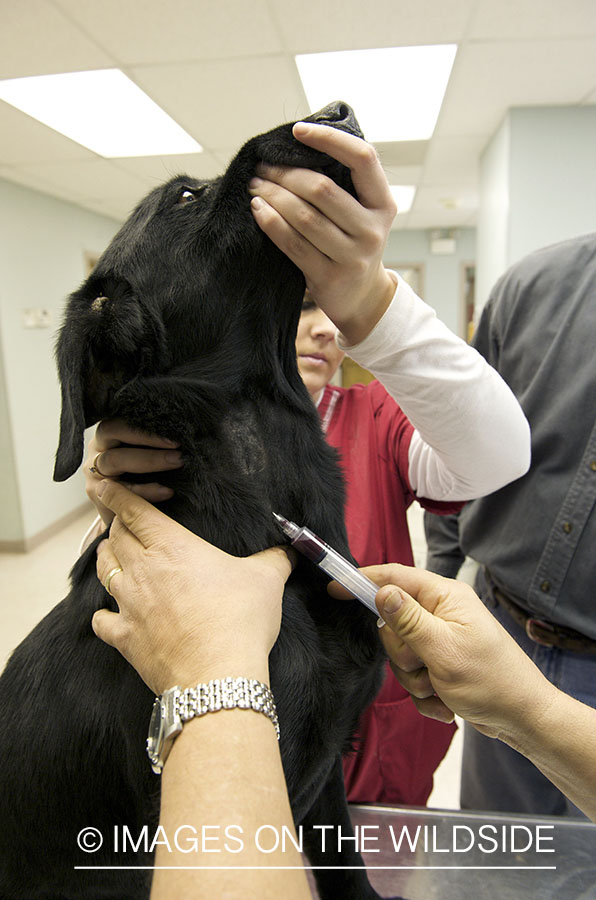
94, 468
108, 580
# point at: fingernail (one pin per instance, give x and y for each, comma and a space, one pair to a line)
173, 456
257, 203
164, 492
393, 602
101, 487
255, 182
262, 168
300, 129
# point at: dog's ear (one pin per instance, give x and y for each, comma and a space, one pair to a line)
71, 353
108, 338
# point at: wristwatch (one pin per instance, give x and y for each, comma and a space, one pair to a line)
176, 706
164, 727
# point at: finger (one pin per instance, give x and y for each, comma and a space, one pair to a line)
150, 527
397, 650
417, 627
107, 626
125, 545
116, 460
111, 432
416, 683
360, 158
282, 559
142, 519
388, 573
425, 587
153, 492
105, 563
313, 204
296, 247
434, 708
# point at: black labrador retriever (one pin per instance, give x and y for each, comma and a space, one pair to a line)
186, 328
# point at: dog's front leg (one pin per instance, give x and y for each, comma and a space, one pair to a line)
323, 847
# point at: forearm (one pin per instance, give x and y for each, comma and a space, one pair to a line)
472, 436
560, 739
224, 771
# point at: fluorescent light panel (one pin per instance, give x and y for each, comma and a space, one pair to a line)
103, 110
403, 194
396, 92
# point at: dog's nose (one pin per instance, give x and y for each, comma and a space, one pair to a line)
339, 114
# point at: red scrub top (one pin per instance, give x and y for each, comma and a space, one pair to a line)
398, 749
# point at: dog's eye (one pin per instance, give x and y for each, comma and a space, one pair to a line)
187, 196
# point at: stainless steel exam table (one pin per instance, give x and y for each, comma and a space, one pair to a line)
424, 854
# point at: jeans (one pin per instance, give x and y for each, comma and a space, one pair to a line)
497, 778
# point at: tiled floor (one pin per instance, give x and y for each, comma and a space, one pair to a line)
31, 584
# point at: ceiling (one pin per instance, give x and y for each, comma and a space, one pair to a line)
224, 69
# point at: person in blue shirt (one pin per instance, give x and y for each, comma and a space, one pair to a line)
535, 538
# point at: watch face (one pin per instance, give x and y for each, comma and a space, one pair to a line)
155, 736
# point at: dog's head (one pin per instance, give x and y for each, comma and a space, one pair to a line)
189, 278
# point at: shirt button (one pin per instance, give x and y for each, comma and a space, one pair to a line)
593, 465
567, 527
545, 587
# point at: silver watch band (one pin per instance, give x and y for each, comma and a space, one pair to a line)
226, 693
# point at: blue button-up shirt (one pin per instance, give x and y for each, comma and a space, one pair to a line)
537, 536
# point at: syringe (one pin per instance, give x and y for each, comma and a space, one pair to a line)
331, 562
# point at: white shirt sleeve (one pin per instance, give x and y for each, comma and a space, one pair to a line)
471, 436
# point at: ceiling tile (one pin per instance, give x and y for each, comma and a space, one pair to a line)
439, 219
489, 78
115, 208
37, 39
519, 19
349, 24
252, 95
225, 71
146, 31
161, 168
403, 174
445, 205
25, 140
453, 159
92, 179
402, 153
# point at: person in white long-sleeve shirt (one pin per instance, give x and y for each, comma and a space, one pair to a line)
439, 425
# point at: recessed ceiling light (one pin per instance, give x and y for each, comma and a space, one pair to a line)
403, 194
103, 110
396, 92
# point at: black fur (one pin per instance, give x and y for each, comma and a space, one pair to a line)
186, 328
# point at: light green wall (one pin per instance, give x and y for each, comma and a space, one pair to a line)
442, 275
493, 214
538, 186
42, 247
11, 521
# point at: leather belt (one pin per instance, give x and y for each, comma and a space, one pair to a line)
538, 630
